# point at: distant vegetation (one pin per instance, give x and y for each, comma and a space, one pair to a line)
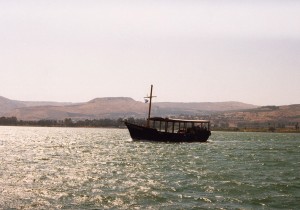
68, 122
216, 124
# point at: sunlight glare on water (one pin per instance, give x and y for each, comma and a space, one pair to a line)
93, 168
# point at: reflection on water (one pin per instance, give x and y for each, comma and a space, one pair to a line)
83, 168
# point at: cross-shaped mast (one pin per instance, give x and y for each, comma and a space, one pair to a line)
149, 112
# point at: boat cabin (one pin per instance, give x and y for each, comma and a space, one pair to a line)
170, 125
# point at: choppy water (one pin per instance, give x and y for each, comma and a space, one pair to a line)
81, 168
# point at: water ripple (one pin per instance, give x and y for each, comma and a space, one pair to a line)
72, 168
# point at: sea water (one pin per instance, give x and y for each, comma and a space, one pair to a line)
96, 168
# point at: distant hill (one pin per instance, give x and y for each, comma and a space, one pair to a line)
161, 108
110, 107
8, 105
222, 115
283, 116
94, 109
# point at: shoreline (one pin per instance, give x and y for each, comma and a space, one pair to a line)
259, 130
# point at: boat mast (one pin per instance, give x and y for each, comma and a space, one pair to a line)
149, 112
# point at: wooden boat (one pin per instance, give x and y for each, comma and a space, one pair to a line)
169, 130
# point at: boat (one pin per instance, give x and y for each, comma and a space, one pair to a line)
160, 129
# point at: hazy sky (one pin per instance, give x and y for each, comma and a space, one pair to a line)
190, 50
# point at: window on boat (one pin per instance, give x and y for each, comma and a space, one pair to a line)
178, 127
159, 125
202, 125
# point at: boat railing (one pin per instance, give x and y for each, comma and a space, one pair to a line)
178, 126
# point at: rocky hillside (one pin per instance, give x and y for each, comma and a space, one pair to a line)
8, 105
267, 115
94, 109
173, 108
111, 107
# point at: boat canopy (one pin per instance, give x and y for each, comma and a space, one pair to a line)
177, 120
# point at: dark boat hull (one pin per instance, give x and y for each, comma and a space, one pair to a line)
149, 134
